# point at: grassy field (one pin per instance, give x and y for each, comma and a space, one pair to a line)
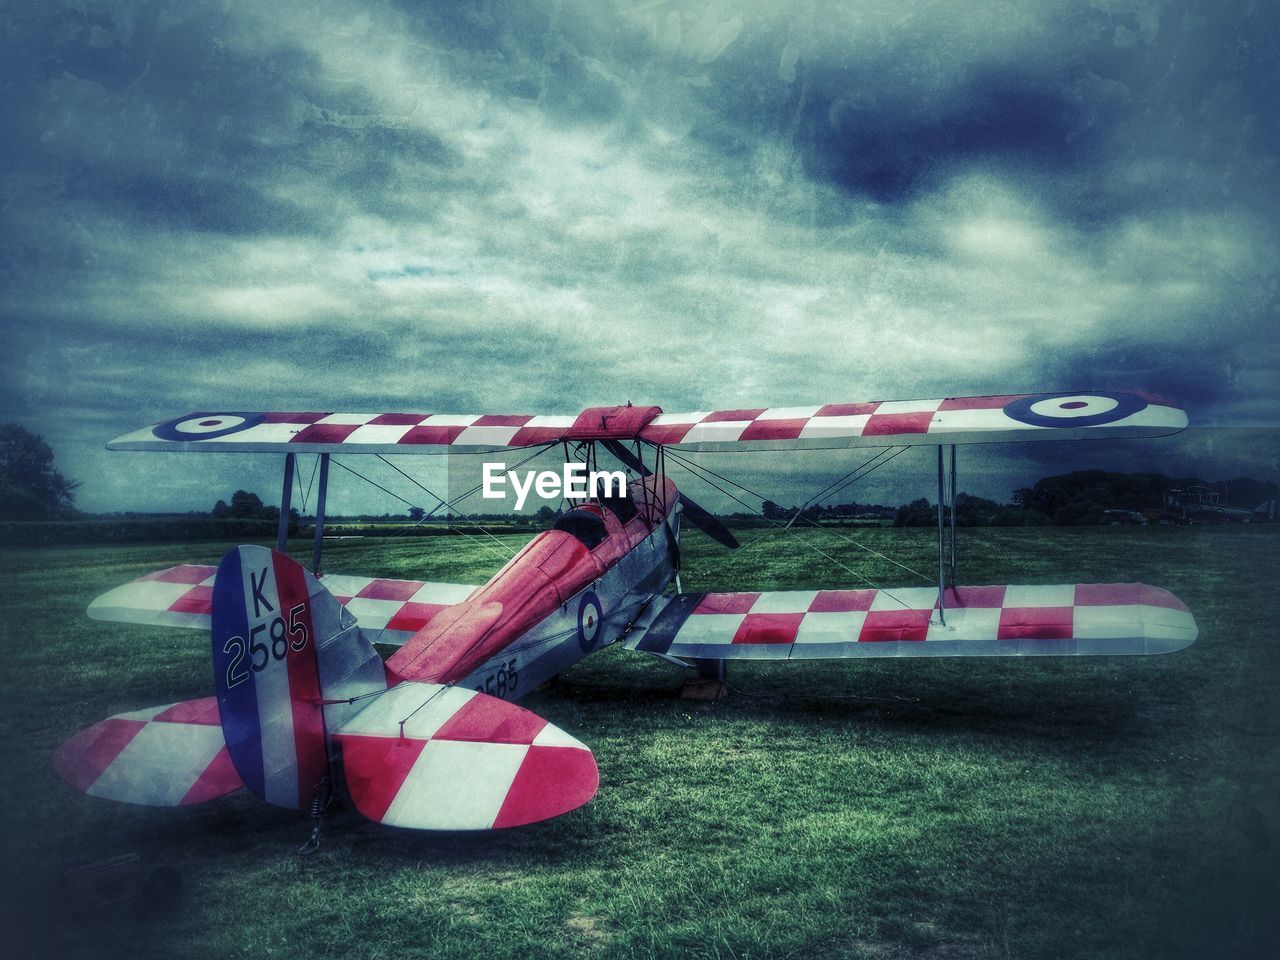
1096, 808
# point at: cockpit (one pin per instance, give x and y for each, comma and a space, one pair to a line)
586, 525
622, 507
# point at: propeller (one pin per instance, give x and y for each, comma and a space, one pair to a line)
695, 514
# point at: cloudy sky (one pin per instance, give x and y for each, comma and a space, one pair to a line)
535, 207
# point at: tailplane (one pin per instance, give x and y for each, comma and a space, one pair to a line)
297, 683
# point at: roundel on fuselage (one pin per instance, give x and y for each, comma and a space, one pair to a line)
590, 614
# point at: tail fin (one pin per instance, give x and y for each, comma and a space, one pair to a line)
284, 649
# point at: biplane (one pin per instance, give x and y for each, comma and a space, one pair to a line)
430, 737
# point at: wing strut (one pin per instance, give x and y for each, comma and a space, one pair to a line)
320, 499
942, 547
286, 504
286, 496
946, 545
953, 517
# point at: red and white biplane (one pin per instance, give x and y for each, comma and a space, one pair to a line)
429, 738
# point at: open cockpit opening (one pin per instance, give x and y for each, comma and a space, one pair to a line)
588, 527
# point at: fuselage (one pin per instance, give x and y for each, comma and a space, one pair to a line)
570, 591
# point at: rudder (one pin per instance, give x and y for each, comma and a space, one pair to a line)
284, 650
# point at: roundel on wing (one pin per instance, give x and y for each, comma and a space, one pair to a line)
1074, 409
589, 616
206, 426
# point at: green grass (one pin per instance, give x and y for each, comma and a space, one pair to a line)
919, 808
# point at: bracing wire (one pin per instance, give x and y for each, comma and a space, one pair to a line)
694, 468
701, 472
305, 494
453, 504
835, 486
506, 554
375, 483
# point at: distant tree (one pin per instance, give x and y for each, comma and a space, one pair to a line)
1082, 497
416, 514
772, 511
221, 510
917, 513
545, 516
974, 511
247, 506
30, 487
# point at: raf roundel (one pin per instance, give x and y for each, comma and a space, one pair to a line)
1074, 410
589, 616
206, 426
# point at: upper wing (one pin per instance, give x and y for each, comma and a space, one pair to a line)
389, 611
225, 432
1045, 416
1061, 620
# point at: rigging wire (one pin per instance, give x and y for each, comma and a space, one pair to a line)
838, 485
421, 705
854, 479
537, 452
697, 471
453, 505
861, 546
361, 476
305, 494
416, 483
506, 554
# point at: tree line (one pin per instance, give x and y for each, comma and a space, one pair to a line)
1084, 497
1069, 499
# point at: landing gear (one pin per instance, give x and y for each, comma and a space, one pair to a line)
709, 685
321, 800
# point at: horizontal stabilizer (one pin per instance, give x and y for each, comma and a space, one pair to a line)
163, 757
437, 757
993, 419
389, 611
997, 621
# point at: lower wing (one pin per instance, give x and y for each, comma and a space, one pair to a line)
390, 611
997, 621
162, 757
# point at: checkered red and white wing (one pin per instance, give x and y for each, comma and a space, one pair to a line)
1044, 416
879, 423
437, 757
389, 611
1060, 620
164, 756
346, 432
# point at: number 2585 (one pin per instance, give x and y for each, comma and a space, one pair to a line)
282, 639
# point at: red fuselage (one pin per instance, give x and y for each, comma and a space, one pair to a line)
536, 582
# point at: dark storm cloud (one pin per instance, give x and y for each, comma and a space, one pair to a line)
1069, 108
540, 206
890, 151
